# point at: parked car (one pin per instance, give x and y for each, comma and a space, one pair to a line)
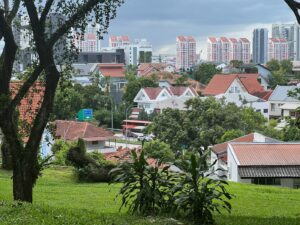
145, 138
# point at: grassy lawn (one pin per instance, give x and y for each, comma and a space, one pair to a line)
58, 199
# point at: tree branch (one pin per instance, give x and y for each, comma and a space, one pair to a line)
77, 16
14, 11
8, 55
295, 6
25, 87
46, 12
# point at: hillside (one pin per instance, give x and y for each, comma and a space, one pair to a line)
58, 199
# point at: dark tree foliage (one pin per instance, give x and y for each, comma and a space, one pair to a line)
77, 14
204, 72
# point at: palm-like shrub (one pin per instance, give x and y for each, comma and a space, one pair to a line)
199, 196
146, 188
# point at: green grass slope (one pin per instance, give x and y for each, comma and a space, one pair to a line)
58, 199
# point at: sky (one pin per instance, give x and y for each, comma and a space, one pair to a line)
160, 21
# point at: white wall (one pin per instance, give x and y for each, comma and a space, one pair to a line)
232, 166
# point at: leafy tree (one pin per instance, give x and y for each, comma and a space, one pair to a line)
67, 104
168, 127
159, 150
278, 78
273, 65
77, 14
236, 63
292, 131
198, 195
60, 149
231, 134
134, 86
204, 124
182, 80
204, 72
287, 66
143, 115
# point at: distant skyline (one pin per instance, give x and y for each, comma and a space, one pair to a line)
160, 21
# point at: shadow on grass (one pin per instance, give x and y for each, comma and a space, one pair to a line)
244, 220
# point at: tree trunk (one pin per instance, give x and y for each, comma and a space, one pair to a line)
23, 181
7, 162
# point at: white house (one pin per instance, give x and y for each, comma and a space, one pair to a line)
241, 89
281, 104
151, 99
219, 151
265, 163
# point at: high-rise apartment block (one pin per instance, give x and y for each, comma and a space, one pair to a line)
260, 46
278, 49
118, 41
223, 50
186, 52
290, 32
89, 41
136, 52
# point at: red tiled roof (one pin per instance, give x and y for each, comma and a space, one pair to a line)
224, 39
212, 39
245, 40
112, 70
233, 40
145, 69
222, 148
73, 130
219, 84
153, 92
282, 154
186, 38
29, 105
250, 82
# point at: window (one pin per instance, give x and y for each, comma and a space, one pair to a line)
266, 181
266, 110
95, 142
258, 110
272, 107
237, 90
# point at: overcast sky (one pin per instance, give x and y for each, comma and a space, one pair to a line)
160, 21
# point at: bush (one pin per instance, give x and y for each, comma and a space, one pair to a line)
89, 167
60, 150
159, 150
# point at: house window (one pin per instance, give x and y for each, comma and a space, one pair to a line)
237, 90
266, 110
272, 107
95, 142
231, 90
258, 110
266, 181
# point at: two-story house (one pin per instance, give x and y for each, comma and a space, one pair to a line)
151, 99
241, 89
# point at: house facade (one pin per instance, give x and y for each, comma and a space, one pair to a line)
281, 104
241, 89
94, 137
151, 99
220, 155
265, 163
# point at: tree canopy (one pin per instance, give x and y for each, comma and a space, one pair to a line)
44, 39
204, 72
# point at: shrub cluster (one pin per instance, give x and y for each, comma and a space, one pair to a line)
89, 167
191, 193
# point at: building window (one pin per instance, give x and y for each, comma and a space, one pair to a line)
272, 107
266, 181
258, 110
266, 110
95, 142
